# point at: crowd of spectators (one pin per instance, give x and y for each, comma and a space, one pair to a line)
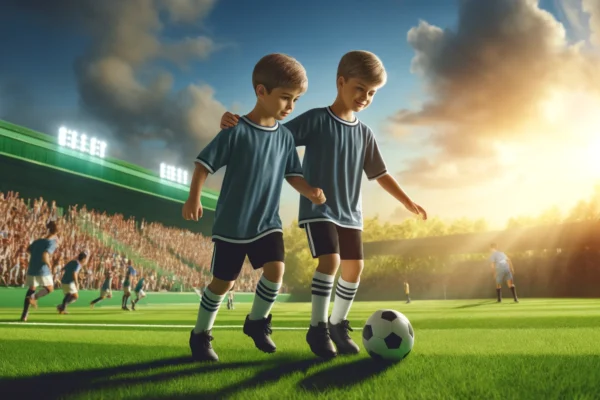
170, 259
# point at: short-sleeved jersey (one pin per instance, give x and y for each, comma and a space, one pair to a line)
337, 153
499, 259
107, 281
140, 285
37, 266
73, 267
258, 158
129, 272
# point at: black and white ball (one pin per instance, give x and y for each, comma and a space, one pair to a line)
388, 335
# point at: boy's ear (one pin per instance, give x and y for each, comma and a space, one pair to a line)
261, 90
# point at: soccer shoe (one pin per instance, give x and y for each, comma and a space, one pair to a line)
125, 309
341, 338
92, 305
133, 306
260, 331
320, 342
201, 348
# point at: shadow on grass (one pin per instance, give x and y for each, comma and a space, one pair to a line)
345, 375
481, 303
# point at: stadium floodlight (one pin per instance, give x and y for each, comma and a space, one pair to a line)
81, 142
173, 173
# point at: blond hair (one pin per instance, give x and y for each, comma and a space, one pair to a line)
362, 65
279, 71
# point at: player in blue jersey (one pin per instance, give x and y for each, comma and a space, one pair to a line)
129, 277
259, 154
139, 291
339, 148
70, 281
503, 271
105, 289
39, 271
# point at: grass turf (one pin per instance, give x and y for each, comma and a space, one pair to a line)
463, 349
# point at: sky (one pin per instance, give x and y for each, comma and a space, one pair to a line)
490, 109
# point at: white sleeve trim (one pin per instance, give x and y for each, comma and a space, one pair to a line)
199, 161
378, 176
294, 174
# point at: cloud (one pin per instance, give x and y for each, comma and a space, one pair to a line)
592, 7
487, 83
119, 80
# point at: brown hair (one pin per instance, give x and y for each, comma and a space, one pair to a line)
279, 71
52, 227
362, 65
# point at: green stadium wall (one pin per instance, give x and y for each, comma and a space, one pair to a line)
35, 165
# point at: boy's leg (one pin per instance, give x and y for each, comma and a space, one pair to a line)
226, 265
48, 287
323, 242
351, 254
267, 252
513, 288
32, 284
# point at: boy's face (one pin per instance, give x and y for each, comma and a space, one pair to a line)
280, 102
356, 93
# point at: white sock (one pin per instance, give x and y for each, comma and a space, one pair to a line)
266, 293
344, 295
322, 285
209, 307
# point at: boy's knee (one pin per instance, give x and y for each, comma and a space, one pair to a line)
274, 271
50, 289
328, 263
219, 286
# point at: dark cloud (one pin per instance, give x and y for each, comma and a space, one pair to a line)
117, 79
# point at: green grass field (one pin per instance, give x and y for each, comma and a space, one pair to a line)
463, 349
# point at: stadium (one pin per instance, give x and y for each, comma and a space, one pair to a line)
118, 274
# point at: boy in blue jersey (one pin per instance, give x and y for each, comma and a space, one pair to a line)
105, 290
130, 273
503, 271
39, 271
338, 149
70, 281
259, 153
139, 291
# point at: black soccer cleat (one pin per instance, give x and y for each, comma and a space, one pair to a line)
201, 348
260, 331
320, 342
341, 338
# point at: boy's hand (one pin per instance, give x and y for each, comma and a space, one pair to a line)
417, 209
317, 196
229, 120
192, 209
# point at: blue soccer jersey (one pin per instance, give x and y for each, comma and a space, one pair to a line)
257, 159
73, 267
499, 259
37, 266
337, 153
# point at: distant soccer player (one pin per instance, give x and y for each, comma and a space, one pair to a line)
39, 271
70, 281
503, 271
407, 291
129, 274
105, 290
139, 292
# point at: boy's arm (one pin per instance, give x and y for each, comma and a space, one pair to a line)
390, 185
315, 195
192, 208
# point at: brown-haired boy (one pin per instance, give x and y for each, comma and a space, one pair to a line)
338, 149
258, 153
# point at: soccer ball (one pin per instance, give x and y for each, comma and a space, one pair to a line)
388, 335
